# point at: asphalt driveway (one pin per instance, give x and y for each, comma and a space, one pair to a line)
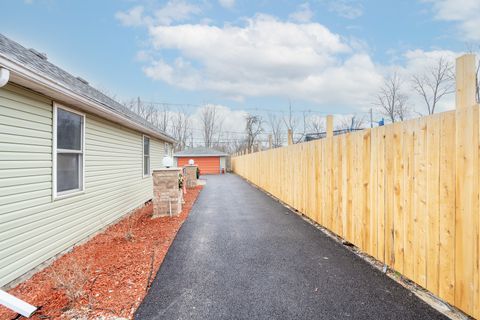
242, 255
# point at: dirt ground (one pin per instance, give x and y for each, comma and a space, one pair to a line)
108, 276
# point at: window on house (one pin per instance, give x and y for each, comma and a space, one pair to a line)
69, 127
146, 156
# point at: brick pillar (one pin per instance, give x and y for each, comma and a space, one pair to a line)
191, 176
166, 193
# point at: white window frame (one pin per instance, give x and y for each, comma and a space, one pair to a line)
149, 156
65, 194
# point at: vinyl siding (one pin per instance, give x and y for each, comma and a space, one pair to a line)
33, 227
157, 150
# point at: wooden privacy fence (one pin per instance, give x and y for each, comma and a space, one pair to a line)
406, 193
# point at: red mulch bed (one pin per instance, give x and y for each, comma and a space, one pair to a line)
110, 273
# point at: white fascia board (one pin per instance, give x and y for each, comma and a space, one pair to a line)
56, 91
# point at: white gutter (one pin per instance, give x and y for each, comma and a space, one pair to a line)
51, 88
4, 76
17, 305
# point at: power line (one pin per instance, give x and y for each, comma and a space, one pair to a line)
250, 108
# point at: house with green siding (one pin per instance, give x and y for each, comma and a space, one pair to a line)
72, 160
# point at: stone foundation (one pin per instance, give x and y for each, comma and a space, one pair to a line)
167, 198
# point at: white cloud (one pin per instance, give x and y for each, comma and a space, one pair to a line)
303, 13
231, 120
227, 3
465, 13
172, 11
265, 57
132, 18
348, 9
419, 60
176, 10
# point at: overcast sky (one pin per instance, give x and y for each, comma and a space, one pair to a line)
329, 56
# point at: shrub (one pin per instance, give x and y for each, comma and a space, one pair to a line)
71, 278
180, 181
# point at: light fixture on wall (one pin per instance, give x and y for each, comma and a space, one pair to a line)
167, 161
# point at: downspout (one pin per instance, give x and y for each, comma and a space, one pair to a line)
17, 305
4, 76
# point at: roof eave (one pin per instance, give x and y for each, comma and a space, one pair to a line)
37, 82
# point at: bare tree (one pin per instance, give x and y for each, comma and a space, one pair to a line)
180, 129
290, 120
253, 128
292, 123
136, 106
275, 124
162, 118
211, 124
435, 83
351, 123
315, 125
391, 101
237, 145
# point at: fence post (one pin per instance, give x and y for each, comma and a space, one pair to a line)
270, 141
465, 74
466, 192
290, 137
329, 126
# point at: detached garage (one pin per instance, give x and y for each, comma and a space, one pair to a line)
209, 161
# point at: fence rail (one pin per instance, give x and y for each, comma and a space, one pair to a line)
406, 193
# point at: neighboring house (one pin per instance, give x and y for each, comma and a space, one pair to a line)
72, 160
209, 161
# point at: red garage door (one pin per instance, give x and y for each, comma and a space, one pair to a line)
207, 165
